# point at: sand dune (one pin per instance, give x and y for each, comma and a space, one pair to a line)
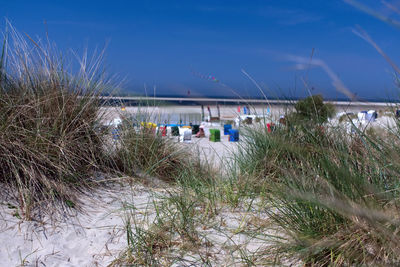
91, 239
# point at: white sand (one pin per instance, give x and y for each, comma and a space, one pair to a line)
215, 153
95, 238
92, 239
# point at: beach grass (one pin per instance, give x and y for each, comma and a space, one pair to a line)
307, 193
141, 151
50, 140
333, 194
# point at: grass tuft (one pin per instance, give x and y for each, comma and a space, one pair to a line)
50, 139
333, 194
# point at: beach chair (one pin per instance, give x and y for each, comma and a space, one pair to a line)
115, 134
248, 120
187, 135
233, 135
371, 116
215, 135
362, 115
175, 131
195, 129
200, 133
270, 127
163, 130
227, 127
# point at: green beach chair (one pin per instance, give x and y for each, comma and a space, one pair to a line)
215, 135
175, 131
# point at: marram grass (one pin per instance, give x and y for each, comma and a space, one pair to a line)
333, 194
50, 139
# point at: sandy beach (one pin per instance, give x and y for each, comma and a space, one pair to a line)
97, 236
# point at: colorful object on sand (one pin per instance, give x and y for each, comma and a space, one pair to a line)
227, 127
115, 133
200, 133
175, 131
148, 125
233, 135
195, 129
215, 135
187, 135
371, 116
270, 127
163, 130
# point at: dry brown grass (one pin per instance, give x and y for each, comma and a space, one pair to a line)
143, 151
50, 140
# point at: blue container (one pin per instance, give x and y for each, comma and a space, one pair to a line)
227, 127
233, 135
115, 134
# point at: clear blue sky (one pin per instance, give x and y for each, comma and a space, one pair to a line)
160, 43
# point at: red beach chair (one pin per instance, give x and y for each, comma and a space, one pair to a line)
201, 133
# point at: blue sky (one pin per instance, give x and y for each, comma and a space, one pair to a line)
173, 44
